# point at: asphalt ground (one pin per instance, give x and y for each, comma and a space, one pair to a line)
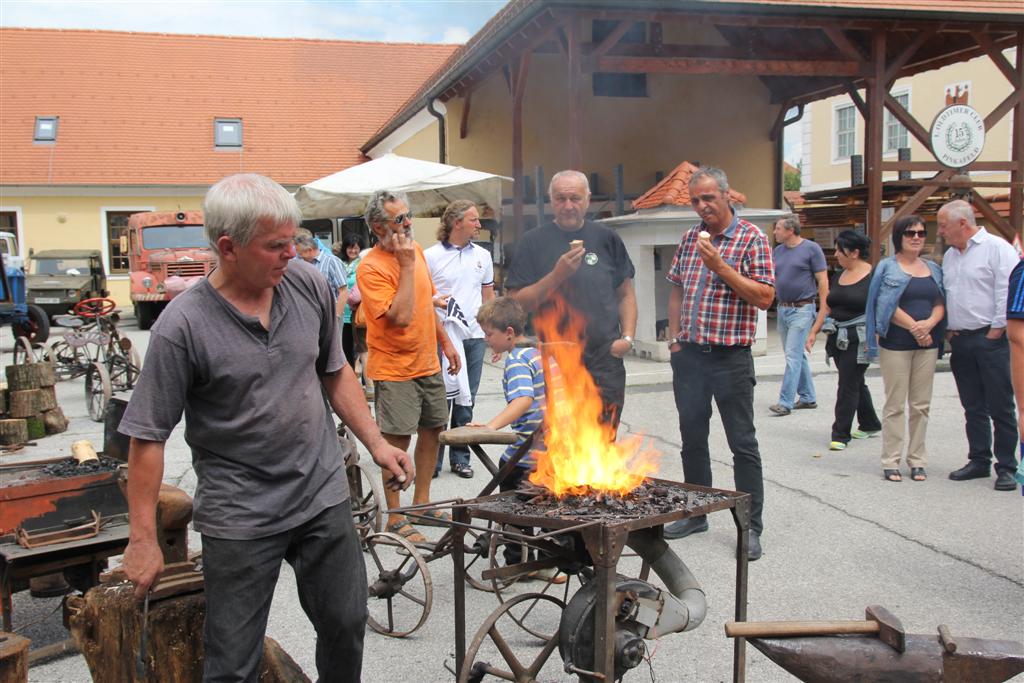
837, 538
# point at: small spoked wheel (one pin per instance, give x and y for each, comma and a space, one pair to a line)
122, 372
367, 499
24, 351
548, 583
500, 639
97, 391
67, 361
400, 589
476, 551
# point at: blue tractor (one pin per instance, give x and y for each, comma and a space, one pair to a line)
27, 320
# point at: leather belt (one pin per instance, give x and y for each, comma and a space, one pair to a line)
970, 333
795, 304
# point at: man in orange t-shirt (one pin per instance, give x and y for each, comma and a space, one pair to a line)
402, 335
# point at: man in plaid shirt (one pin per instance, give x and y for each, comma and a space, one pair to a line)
721, 274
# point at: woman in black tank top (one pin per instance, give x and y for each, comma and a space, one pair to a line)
847, 299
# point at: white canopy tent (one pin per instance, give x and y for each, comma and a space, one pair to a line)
430, 187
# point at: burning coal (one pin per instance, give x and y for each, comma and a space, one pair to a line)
582, 455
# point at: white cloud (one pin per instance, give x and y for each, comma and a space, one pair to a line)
455, 34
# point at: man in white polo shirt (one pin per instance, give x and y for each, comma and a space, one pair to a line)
976, 272
463, 275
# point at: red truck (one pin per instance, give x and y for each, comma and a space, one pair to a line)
167, 253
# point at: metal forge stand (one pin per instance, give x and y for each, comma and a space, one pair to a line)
604, 537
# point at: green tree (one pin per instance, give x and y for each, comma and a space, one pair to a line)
791, 179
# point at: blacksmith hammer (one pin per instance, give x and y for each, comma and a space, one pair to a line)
877, 621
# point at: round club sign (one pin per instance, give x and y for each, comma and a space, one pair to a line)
958, 136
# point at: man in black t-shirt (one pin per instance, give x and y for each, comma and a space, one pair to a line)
587, 265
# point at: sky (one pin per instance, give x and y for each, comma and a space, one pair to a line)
416, 21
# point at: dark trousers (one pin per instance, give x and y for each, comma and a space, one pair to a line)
725, 374
609, 374
348, 343
463, 415
240, 577
981, 368
852, 394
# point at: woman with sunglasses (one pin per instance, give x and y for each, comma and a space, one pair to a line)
842, 316
905, 313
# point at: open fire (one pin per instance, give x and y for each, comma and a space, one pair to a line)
581, 455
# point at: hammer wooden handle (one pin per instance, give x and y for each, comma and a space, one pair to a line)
786, 629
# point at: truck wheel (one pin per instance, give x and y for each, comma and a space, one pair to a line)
145, 314
37, 328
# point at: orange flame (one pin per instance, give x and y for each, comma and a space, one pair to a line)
582, 455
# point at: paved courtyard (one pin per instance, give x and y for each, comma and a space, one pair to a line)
837, 538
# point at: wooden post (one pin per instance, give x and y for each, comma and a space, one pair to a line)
575, 94
1017, 154
876, 90
518, 90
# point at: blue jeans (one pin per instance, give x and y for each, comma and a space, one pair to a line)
463, 415
794, 325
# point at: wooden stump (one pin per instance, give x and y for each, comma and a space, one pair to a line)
24, 402
47, 398
55, 421
35, 426
3, 400
22, 377
13, 432
106, 624
13, 658
45, 375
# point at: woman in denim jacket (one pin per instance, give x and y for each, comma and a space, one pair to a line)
905, 314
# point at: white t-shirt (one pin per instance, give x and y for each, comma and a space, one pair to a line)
461, 273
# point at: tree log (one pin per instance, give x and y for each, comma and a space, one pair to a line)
47, 398
13, 432
24, 403
55, 421
36, 427
45, 376
106, 624
22, 377
13, 658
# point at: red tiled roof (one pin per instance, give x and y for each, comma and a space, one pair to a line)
139, 108
674, 190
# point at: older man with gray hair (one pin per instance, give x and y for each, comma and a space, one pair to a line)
249, 355
976, 273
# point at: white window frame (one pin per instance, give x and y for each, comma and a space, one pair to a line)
19, 230
836, 107
228, 120
105, 236
889, 119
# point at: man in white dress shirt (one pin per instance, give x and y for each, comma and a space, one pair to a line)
976, 271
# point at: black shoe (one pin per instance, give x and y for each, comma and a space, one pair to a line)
805, 405
464, 471
437, 473
754, 551
971, 470
1005, 482
779, 410
685, 527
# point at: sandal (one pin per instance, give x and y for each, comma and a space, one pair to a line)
892, 475
407, 531
433, 518
917, 474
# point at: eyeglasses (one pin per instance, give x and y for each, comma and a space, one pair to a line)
401, 218
915, 233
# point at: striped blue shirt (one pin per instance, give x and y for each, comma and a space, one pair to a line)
1015, 295
524, 376
333, 269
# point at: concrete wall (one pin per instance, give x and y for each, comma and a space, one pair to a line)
987, 85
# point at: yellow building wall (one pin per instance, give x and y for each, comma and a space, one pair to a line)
71, 222
988, 88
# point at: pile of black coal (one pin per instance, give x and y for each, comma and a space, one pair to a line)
72, 468
650, 498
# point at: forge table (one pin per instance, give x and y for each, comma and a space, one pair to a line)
605, 537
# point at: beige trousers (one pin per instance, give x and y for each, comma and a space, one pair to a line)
907, 376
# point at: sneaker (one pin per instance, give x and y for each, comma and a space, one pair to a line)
836, 446
464, 471
549, 574
805, 405
780, 410
858, 434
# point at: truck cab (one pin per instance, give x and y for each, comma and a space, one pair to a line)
167, 253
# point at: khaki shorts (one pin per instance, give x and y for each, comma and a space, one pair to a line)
403, 407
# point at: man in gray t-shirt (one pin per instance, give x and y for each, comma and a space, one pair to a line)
252, 357
800, 275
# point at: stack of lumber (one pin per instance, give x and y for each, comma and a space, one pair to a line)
28, 405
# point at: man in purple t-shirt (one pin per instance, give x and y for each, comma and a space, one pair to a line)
800, 274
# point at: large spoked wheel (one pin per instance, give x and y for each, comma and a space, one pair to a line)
400, 589
36, 326
99, 307
67, 361
97, 391
25, 351
497, 640
122, 372
525, 613
367, 499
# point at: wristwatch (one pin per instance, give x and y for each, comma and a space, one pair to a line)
672, 342
629, 339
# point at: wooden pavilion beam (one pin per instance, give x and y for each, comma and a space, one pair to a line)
1017, 153
464, 119
855, 97
1012, 100
610, 40
519, 75
894, 67
843, 43
997, 57
575, 95
876, 92
912, 204
729, 67
907, 119
992, 216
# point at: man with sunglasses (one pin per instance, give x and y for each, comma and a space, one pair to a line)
976, 270
403, 335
